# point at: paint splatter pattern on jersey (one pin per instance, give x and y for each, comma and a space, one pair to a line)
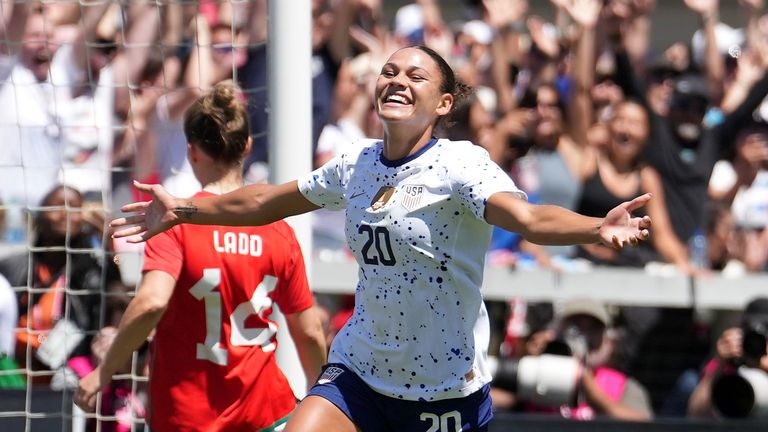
416, 228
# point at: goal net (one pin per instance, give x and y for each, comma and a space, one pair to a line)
92, 95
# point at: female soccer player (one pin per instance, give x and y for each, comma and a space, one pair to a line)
418, 220
208, 291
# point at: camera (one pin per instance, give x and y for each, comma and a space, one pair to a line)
550, 379
744, 392
755, 342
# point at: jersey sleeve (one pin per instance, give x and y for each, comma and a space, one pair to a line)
476, 177
292, 293
324, 187
164, 252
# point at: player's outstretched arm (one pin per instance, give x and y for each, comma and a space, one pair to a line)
546, 224
140, 318
250, 205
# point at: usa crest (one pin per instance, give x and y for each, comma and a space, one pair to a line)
411, 196
330, 374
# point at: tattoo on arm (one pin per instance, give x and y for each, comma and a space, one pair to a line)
186, 211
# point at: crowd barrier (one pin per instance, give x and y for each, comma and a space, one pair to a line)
612, 285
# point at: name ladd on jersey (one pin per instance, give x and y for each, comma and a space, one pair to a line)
411, 196
238, 243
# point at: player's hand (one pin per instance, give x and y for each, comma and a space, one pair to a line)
89, 387
620, 228
149, 217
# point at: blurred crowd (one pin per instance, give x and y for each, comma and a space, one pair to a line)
580, 110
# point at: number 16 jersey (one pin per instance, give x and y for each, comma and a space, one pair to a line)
212, 358
416, 227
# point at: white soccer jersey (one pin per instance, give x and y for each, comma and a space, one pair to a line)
416, 227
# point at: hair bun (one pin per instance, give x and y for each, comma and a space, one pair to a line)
224, 96
218, 123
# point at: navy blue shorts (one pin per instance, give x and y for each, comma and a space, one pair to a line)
374, 412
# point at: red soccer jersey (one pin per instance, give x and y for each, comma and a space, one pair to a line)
213, 366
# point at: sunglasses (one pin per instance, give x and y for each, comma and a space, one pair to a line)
224, 48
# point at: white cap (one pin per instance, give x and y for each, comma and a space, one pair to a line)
478, 30
409, 19
729, 41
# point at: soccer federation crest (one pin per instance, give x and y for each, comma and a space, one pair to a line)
330, 374
382, 197
411, 196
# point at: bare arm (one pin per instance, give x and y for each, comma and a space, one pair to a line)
750, 69
505, 46
142, 33
90, 17
600, 401
140, 318
257, 22
665, 240
307, 333
258, 204
586, 14
713, 60
700, 401
728, 348
343, 17
200, 70
546, 224
12, 29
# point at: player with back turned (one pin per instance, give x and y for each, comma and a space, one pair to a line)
209, 290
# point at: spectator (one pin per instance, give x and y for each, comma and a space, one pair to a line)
528, 331
725, 244
583, 329
163, 145
732, 350
619, 172
355, 117
551, 170
330, 45
607, 391
84, 80
683, 149
65, 259
31, 156
9, 315
743, 184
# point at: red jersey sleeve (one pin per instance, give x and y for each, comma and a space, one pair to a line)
164, 252
292, 293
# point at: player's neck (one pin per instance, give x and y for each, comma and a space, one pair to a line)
401, 143
227, 182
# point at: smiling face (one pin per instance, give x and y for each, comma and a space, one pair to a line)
629, 132
64, 216
550, 124
227, 51
408, 90
37, 49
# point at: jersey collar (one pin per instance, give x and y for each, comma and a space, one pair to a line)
398, 162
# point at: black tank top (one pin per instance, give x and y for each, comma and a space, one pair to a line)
596, 200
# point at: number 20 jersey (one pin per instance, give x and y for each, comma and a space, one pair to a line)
213, 365
416, 227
